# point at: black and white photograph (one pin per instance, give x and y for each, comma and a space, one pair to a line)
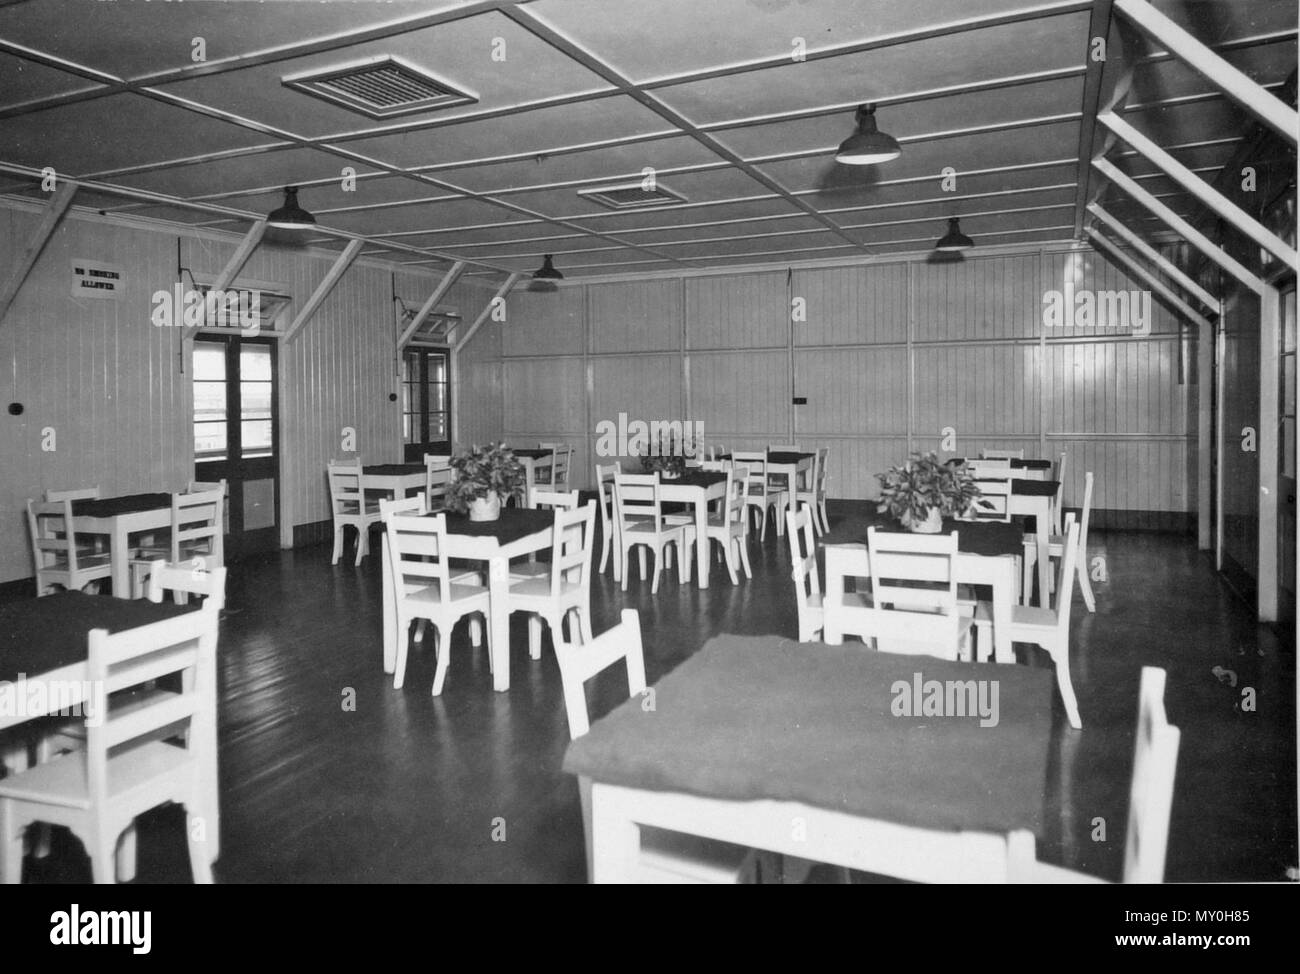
824, 442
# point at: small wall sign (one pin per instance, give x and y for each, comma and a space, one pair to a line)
92, 279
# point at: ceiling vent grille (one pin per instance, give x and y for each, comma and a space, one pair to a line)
380, 89
632, 196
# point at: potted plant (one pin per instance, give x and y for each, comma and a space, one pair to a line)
666, 458
923, 491
485, 477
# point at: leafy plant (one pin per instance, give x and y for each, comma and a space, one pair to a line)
483, 471
668, 457
908, 492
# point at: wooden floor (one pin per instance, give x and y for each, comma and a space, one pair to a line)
411, 788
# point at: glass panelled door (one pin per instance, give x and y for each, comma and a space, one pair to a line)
236, 435
426, 403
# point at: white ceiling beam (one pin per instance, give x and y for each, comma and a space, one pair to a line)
1202, 190
323, 289
502, 291
236, 263
1157, 258
1134, 269
51, 217
1237, 85
438, 293
1188, 232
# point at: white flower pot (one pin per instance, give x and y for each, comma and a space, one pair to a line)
932, 524
485, 508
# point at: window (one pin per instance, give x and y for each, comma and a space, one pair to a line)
426, 403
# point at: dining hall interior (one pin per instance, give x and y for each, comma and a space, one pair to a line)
573, 441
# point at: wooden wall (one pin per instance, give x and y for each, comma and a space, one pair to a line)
890, 356
110, 386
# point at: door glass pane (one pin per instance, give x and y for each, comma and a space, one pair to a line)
210, 441
255, 363
437, 426
256, 437
437, 397
255, 400
437, 368
209, 362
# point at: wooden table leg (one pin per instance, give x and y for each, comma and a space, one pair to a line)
701, 506
615, 839
1042, 525
120, 559
1003, 587
499, 584
831, 632
390, 608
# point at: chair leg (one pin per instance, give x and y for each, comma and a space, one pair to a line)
475, 631
606, 545
338, 543
762, 535
440, 670
584, 623
685, 558
659, 564
623, 566
743, 548
641, 551
362, 544
399, 664
730, 557
127, 855
12, 838
1061, 657
1085, 583
103, 858
200, 865
535, 636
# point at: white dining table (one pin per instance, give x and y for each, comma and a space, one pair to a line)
395, 479
850, 559
519, 531
117, 518
818, 767
698, 489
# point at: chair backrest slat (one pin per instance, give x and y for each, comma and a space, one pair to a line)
571, 546
1002, 454
346, 495
636, 496
915, 592
579, 663
1155, 761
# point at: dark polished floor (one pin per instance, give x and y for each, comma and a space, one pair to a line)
467, 787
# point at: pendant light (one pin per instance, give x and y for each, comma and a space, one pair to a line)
954, 239
291, 216
867, 145
544, 277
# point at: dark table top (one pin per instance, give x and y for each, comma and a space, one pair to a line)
1025, 464
1035, 488
750, 718
39, 635
696, 478
392, 469
514, 523
532, 453
987, 538
127, 504
780, 456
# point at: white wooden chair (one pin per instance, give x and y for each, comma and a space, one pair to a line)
807, 579
641, 524
1151, 795
563, 591
759, 493
124, 770
914, 591
74, 494
349, 507
1002, 454
543, 498
666, 857
813, 492
438, 476
729, 527
1056, 549
1059, 476
423, 588
605, 486
470, 576
57, 559
557, 477
994, 500
196, 536
1048, 628
992, 467
186, 579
